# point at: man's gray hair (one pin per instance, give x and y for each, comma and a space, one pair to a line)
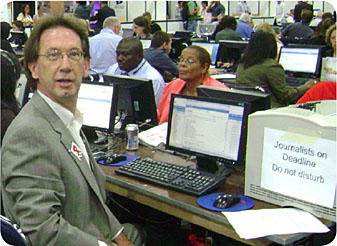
111, 22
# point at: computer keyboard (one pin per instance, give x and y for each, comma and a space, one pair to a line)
296, 81
183, 179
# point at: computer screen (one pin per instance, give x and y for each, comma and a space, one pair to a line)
212, 49
259, 101
95, 102
206, 29
146, 43
301, 59
135, 101
209, 128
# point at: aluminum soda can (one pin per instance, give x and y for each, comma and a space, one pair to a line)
132, 136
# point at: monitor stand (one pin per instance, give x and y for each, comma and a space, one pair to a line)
93, 137
211, 166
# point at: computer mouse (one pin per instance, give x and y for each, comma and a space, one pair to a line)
110, 159
226, 200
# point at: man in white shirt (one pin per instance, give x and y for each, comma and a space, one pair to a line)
280, 12
103, 46
131, 62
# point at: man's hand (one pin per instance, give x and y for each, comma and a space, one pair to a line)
122, 240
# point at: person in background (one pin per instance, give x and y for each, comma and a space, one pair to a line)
245, 26
328, 15
24, 16
103, 45
94, 7
5, 44
299, 7
18, 26
83, 10
228, 25
330, 39
258, 67
141, 27
206, 16
217, 10
193, 69
193, 10
243, 8
154, 26
51, 185
131, 62
157, 55
39, 12
318, 38
264, 26
321, 91
10, 74
301, 29
104, 12
280, 13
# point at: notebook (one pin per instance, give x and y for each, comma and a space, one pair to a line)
302, 62
212, 49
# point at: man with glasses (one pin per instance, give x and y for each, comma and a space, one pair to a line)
51, 185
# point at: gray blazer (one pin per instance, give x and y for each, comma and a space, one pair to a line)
52, 195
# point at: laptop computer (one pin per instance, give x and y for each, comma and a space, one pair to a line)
301, 63
212, 49
206, 29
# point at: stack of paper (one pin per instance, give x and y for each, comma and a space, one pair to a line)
252, 224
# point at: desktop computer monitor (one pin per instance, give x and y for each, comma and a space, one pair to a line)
290, 150
231, 51
301, 60
259, 101
95, 101
135, 101
127, 32
210, 129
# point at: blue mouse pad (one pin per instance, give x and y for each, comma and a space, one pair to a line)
128, 159
208, 200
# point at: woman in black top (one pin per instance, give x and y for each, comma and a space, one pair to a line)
10, 73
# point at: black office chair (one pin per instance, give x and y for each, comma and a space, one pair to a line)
11, 233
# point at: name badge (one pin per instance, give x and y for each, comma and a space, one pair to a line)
76, 150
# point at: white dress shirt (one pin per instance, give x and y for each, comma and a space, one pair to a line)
143, 71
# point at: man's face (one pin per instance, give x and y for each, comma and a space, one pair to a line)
60, 79
127, 57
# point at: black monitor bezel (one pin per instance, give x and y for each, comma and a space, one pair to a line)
242, 146
126, 82
259, 101
320, 48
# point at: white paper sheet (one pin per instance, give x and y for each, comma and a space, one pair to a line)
252, 224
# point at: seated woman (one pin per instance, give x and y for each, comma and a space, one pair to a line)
330, 39
10, 73
18, 38
141, 27
258, 67
193, 68
325, 90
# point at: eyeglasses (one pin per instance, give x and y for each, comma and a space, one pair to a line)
55, 55
189, 61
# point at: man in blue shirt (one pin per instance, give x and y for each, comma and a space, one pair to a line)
245, 26
299, 30
103, 46
217, 10
157, 55
131, 62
